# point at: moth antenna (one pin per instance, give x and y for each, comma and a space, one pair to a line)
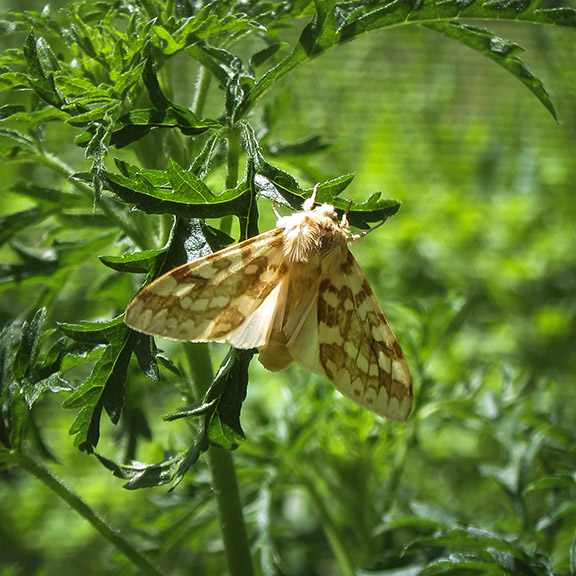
360, 235
344, 221
311, 202
275, 210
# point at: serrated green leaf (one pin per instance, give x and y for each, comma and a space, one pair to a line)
220, 62
26, 373
359, 215
200, 239
171, 45
229, 387
74, 87
553, 482
40, 117
317, 36
146, 353
50, 360
16, 142
201, 165
375, 209
88, 395
86, 427
27, 351
214, 18
96, 146
473, 540
501, 51
149, 178
84, 222
152, 85
46, 58
138, 123
170, 117
104, 388
31, 54
33, 390
13, 81
332, 27
11, 224
305, 147
41, 62
144, 475
52, 195
6, 358
8, 110
186, 184
96, 114
79, 353
94, 332
171, 469
221, 406
143, 190
134, 262
199, 409
460, 565
277, 185
113, 395
19, 414
124, 80
258, 59
192, 238
221, 434
41, 261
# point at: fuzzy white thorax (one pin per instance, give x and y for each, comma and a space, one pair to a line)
312, 234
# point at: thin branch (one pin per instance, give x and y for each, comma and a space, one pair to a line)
39, 471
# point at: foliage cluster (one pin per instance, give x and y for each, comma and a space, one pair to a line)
124, 128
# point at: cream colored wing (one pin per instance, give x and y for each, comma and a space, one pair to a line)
295, 324
357, 349
224, 297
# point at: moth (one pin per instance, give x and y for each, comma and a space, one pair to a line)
296, 293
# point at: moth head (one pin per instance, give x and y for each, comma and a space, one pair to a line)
324, 211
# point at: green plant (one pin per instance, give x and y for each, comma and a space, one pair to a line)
167, 103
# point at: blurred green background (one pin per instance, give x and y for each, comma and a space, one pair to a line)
477, 275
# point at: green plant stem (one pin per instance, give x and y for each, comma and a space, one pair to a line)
225, 487
40, 472
234, 142
223, 471
201, 90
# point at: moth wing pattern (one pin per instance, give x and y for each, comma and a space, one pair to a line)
224, 297
357, 349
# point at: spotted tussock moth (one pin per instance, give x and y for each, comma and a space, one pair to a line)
296, 293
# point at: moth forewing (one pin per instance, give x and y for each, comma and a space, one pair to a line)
297, 294
210, 299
